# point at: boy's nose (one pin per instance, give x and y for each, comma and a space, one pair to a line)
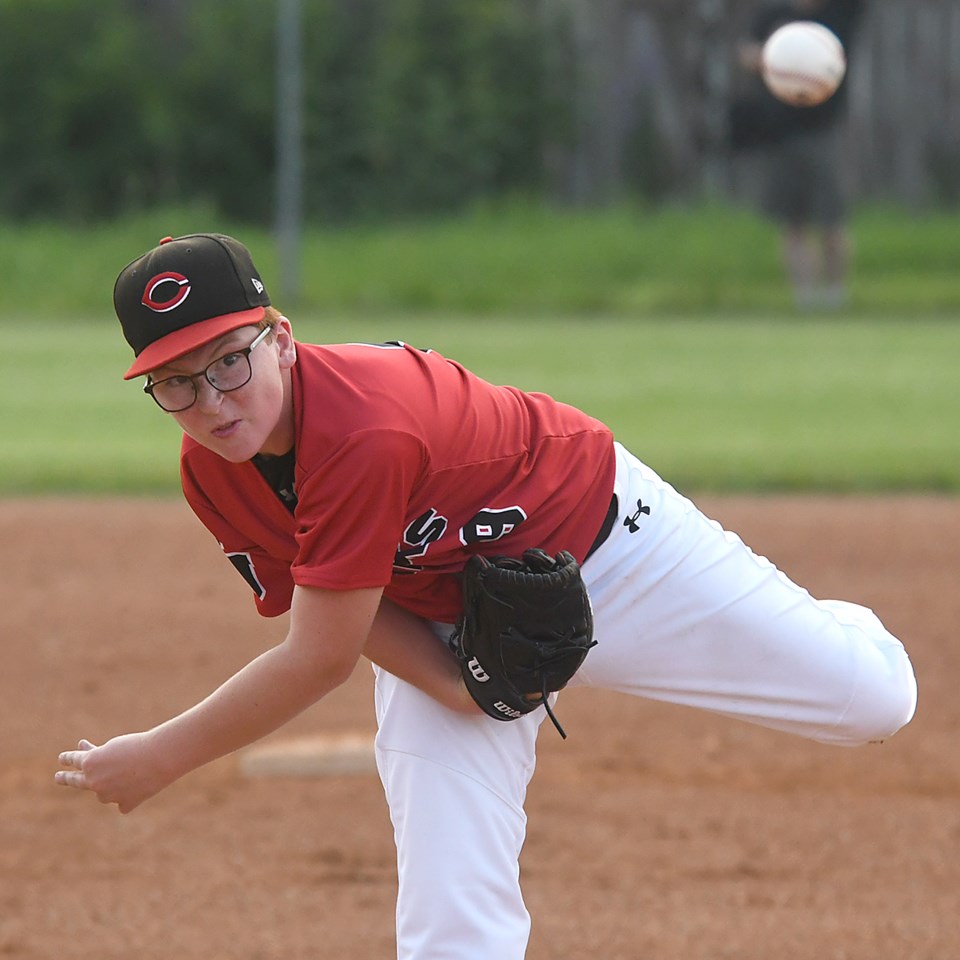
209, 397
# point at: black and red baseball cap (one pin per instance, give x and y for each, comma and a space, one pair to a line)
184, 293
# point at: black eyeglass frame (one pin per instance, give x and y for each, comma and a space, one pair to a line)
151, 385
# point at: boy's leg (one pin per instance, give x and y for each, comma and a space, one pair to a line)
455, 786
685, 612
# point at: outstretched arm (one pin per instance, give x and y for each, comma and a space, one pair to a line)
327, 633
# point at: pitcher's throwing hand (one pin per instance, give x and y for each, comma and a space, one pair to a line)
115, 772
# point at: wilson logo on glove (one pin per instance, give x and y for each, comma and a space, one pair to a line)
478, 673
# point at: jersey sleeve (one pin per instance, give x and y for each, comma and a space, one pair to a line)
267, 576
351, 510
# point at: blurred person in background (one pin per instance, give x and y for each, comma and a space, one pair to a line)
801, 149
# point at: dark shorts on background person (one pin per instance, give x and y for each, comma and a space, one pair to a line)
804, 179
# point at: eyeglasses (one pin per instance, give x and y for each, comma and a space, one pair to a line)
229, 372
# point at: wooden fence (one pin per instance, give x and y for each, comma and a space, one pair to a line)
654, 80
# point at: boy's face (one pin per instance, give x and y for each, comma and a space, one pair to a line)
255, 418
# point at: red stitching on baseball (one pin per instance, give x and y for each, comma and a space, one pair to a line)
795, 75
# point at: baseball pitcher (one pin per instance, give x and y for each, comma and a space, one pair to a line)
483, 547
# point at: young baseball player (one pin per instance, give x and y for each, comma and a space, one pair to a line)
350, 484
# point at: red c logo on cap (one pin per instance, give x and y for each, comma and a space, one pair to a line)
180, 292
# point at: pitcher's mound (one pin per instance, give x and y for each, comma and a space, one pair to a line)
316, 756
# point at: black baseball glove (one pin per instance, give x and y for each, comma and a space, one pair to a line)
525, 630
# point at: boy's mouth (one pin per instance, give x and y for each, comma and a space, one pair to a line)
226, 429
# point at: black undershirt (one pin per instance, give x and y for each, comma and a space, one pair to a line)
278, 472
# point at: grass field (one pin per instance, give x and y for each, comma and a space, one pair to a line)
673, 326
713, 403
513, 261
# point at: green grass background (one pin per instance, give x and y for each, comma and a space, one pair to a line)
674, 327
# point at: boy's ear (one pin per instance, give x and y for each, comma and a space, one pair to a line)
286, 346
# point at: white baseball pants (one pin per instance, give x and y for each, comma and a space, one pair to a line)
684, 612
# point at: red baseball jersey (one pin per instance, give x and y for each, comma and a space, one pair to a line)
406, 465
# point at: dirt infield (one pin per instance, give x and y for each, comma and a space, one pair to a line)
656, 833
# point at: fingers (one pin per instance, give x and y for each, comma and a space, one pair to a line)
73, 760
71, 778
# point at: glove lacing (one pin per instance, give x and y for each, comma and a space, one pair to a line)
550, 713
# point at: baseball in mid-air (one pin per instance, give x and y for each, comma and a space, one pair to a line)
803, 63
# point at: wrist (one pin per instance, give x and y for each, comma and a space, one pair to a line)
168, 752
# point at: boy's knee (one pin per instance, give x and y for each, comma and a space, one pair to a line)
878, 715
885, 697
884, 703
